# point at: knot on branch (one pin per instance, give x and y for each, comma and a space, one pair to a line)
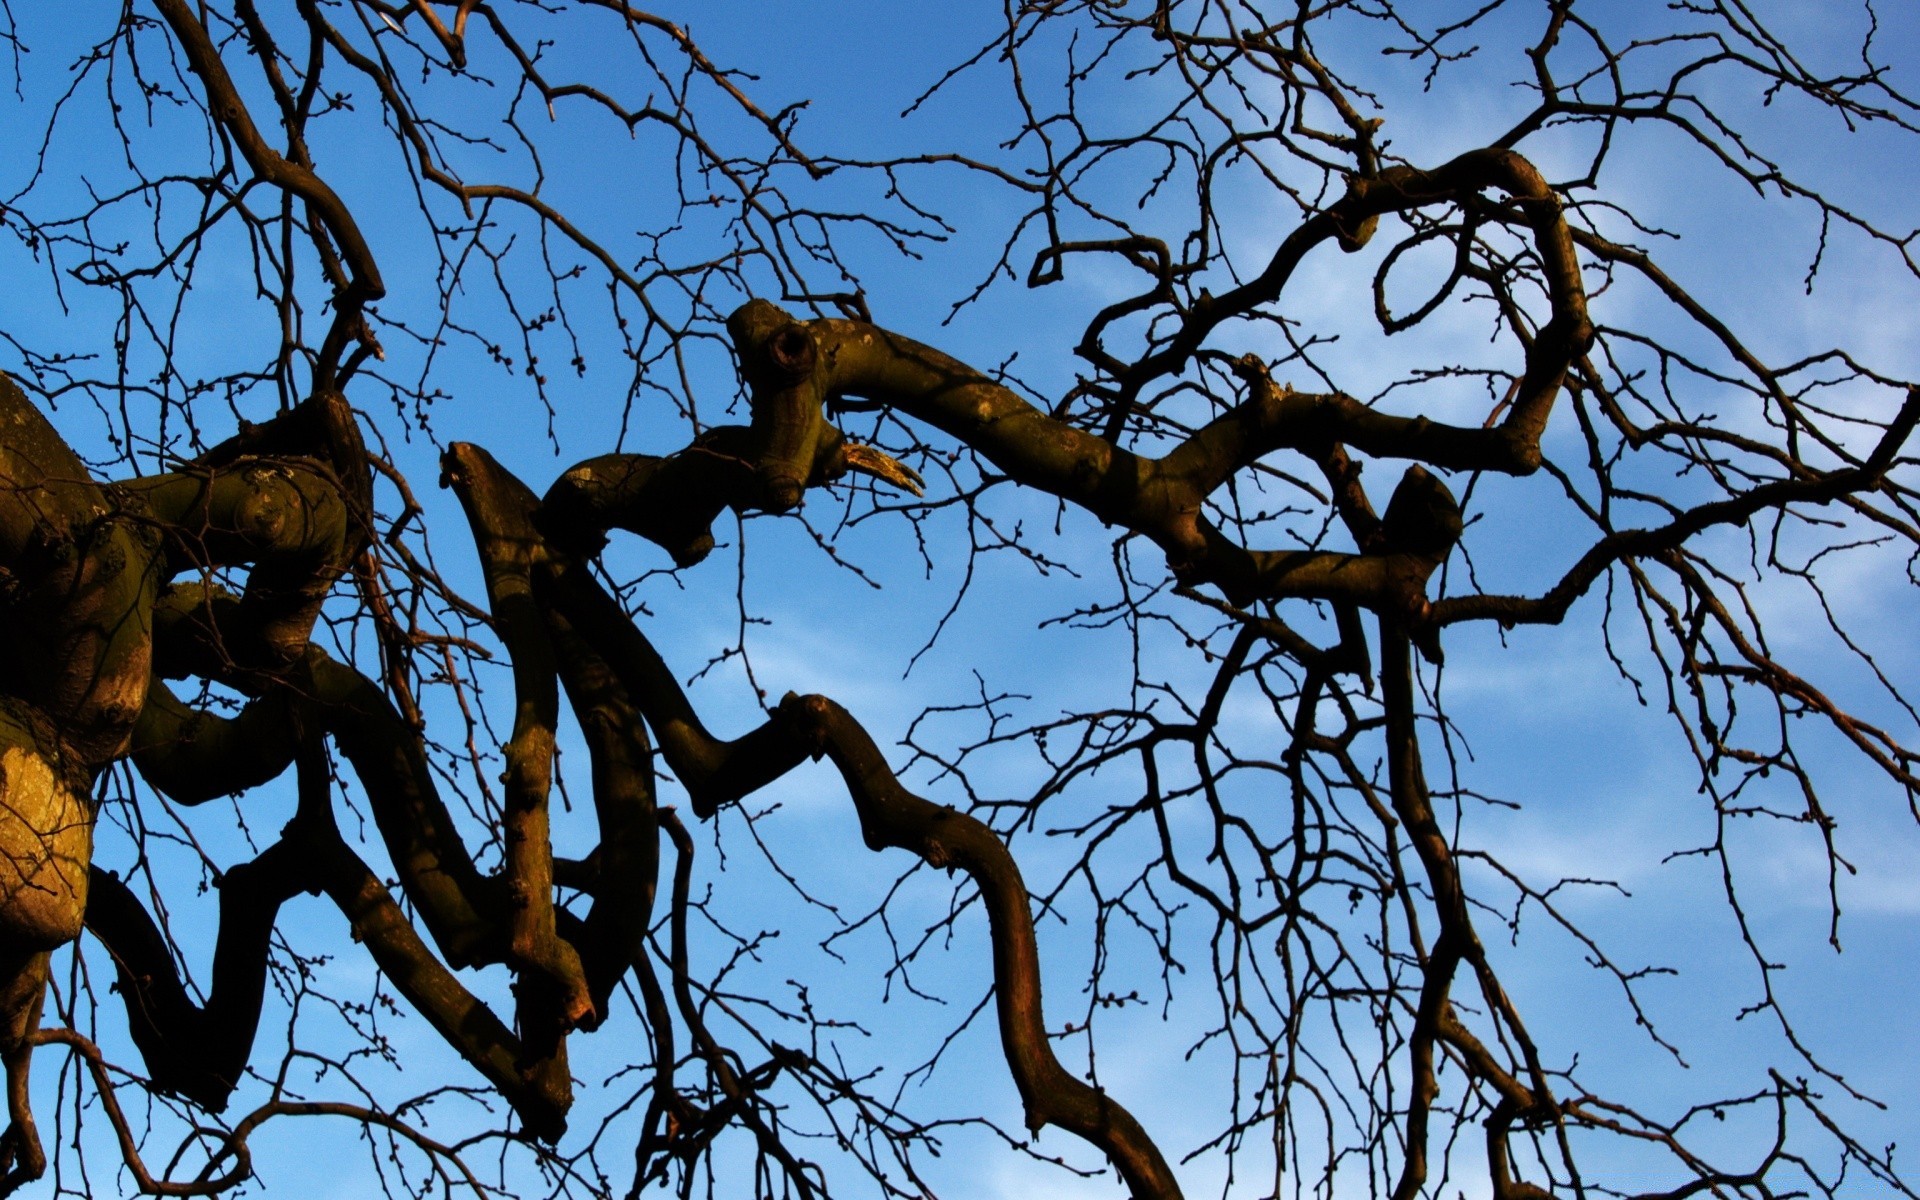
1422, 518
791, 437
768, 465
1351, 233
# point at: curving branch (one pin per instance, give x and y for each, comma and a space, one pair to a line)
891, 817
200, 1051
625, 865
1162, 498
462, 910
192, 756
539, 1089
500, 510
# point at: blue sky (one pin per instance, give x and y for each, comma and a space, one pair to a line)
1603, 786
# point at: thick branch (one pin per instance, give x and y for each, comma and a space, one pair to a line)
1160, 498
462, 911
713, 771
285, 517
891, 816
193, 756
500, 511
78, 573
627, 860
199, 1052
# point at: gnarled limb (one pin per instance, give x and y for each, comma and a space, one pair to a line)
713, 771
199, 1051
766, 465
670, 501
78, 573
540, 1090
674, 500
500, 511
286, 517
891, 816
626, 863
192, 756
1161, 498
462, 910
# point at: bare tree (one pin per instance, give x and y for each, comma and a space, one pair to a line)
277, 235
